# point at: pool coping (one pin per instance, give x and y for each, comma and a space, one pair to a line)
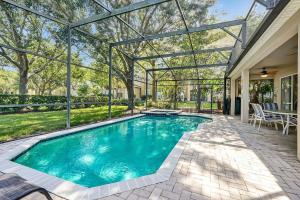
70, 190
161, 112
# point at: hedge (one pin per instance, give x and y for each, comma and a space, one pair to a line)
60, 101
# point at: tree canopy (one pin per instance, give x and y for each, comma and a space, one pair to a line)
24, 30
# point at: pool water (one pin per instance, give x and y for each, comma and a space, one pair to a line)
111, 153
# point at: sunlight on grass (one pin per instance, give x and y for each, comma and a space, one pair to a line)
192, 104
14, 126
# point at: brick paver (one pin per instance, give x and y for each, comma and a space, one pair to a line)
226, 159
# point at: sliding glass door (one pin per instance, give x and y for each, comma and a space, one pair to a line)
289, 92
295, 92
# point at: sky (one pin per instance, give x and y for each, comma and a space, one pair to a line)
233, 8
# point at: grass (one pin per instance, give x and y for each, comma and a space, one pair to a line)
14, 126
192, 104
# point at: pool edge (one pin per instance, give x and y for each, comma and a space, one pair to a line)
70, 190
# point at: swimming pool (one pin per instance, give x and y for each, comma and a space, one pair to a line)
111, 153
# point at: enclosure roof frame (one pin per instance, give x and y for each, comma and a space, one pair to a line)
147, 38
201, 28
185, 53
189, 67
119, 11
141, 5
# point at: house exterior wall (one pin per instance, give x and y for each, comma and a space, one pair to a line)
138, 92
282, 72
298, 109
282, 29
187, 92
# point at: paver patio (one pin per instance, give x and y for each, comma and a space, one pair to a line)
226, 159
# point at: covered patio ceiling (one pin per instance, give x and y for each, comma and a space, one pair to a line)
284, 56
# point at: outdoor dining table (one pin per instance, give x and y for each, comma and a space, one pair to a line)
286, 113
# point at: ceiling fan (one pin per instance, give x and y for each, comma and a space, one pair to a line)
264, 73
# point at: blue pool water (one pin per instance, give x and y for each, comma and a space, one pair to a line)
111, 153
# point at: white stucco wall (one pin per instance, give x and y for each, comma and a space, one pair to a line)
283, 28
282, 72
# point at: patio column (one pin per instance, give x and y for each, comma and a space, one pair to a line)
245, 96
232, 96
298, 106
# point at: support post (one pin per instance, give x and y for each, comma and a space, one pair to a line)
132, 85
224, 97
68, 82
198, 98
232, 96
109, 81
245, 96
211, 100
147, 89
175, 95
298, 106
155, 91
244, 35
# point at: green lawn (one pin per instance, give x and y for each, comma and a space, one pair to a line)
19, 125
192, 104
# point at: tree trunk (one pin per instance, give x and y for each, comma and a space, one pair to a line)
130, 83
23, 72
23, 81
130, 92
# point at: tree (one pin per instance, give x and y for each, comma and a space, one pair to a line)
23, 30
48, 80
156, 19
42, 36
8, 81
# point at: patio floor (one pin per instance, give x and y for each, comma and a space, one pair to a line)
226, 159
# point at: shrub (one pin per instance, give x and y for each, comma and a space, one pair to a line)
138, 102
77, 102
143, 97
123, 102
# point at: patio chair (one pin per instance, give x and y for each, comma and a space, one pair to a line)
260, 116
270, 106
293, 122
252, 116
13, 187
256, 115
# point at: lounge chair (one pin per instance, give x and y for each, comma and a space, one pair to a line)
13, 187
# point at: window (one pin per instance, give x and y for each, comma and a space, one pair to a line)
289, 85
262, 91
